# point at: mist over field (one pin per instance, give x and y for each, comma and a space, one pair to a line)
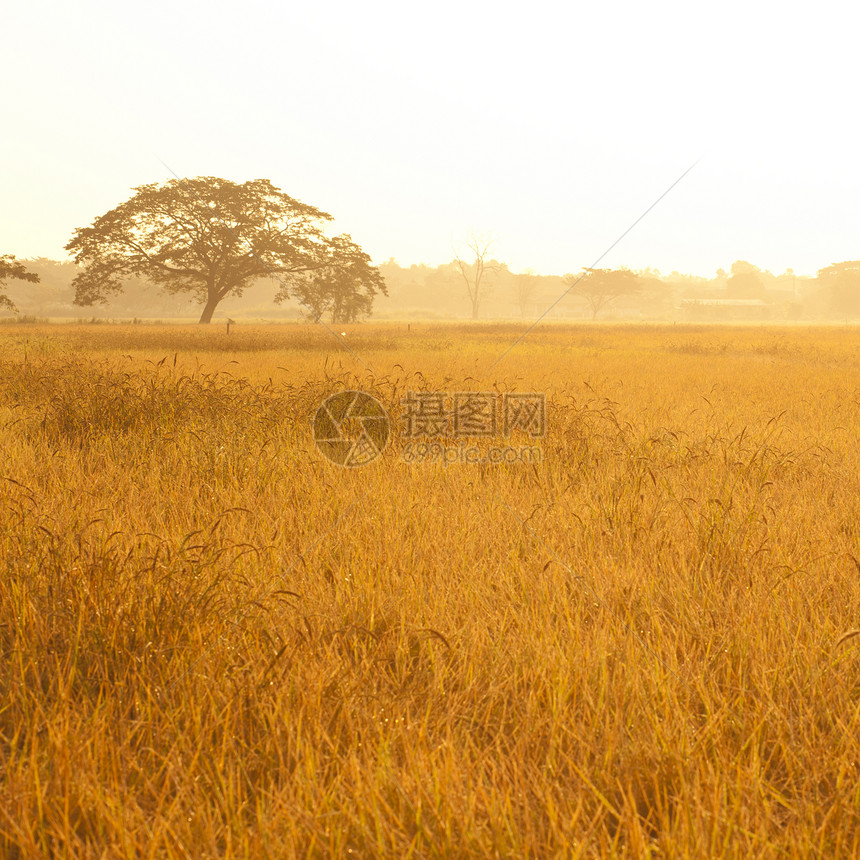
740, 293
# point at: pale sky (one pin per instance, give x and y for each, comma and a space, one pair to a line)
550, 125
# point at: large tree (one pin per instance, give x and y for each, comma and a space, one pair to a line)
11, 268
601, 287
212, 238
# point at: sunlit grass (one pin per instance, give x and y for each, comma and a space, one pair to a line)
217, 644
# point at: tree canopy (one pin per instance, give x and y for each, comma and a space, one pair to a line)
343, 286
843, 282
745, 281
601, 287
11, 268
213, 238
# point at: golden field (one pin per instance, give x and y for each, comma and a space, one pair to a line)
216, 643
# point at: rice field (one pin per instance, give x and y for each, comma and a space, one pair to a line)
216, 643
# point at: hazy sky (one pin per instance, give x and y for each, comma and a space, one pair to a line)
552, 126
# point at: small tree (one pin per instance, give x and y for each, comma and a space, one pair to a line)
209, 237
11, 268
842, 280
745, 281
601, 287
474, 273
344, 286
526, 285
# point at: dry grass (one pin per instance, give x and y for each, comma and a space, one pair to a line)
216, 644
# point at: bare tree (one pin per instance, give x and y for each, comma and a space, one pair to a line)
526, 285
474, 273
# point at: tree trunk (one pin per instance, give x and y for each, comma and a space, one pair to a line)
211, 304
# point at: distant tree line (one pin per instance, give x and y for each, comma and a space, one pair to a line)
600, 293
439, 291
207, 242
